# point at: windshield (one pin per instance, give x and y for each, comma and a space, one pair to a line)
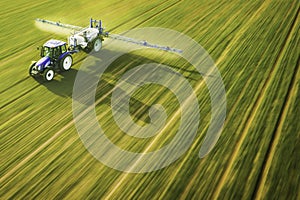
47, 51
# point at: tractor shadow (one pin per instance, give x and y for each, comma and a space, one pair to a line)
63, 83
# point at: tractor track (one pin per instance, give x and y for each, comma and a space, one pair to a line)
35, 87
251, 115
57, 134
260, 183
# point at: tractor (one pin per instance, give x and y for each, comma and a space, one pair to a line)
57, 57
54, 57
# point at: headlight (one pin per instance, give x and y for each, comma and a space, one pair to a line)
39, 67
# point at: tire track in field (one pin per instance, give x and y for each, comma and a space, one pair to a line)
202, 18
251, 116
258, 191
133, 18
50, 140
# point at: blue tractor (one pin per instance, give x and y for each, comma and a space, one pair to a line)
54, 57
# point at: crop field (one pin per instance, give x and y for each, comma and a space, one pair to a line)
256, 48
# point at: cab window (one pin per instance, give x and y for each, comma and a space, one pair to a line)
56, 52
63, 49
46, 51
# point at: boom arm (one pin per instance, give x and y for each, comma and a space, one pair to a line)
112, 36
143, 43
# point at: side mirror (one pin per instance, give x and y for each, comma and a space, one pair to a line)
37, 48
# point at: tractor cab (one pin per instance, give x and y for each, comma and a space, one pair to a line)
53, 49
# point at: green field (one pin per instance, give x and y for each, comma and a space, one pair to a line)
256, 47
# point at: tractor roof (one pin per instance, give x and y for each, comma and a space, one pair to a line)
54, 43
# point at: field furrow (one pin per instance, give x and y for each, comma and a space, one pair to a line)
255, 45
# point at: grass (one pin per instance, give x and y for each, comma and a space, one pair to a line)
256, 47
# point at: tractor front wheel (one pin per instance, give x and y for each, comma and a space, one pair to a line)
31, 69
48, 74
66, 63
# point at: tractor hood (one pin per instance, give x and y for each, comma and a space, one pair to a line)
45, 61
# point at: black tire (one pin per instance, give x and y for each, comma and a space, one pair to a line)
95, 46
31, 68
66, 63
48, 74
88, 48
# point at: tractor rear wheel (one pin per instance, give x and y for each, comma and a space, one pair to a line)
97, 44
66, 63
48, 74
